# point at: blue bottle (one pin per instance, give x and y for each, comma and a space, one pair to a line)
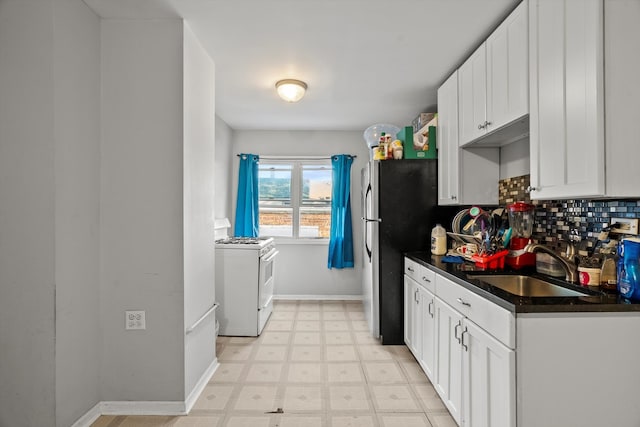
629, 269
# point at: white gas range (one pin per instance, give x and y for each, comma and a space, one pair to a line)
244, 283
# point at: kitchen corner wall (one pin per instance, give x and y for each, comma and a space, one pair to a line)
141, 222
302, 268
554, 218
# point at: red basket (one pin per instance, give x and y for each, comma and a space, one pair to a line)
495, 261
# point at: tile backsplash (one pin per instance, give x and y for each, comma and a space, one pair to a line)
555, 218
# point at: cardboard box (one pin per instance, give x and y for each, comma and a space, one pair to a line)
422, 119
421, 145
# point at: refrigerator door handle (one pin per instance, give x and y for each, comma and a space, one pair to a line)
366, 220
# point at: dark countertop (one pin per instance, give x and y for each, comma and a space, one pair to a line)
596, 301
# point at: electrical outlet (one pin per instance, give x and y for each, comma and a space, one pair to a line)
134, 319
625, 225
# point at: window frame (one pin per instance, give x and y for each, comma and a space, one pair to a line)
297, 168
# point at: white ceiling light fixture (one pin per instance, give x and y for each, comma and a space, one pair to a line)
291, 90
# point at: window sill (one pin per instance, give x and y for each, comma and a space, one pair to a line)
289, 241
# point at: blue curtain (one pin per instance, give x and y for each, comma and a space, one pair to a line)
247, 221
341, 238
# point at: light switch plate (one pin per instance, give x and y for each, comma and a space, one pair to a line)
135, 319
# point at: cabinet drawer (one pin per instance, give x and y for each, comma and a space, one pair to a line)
421, 274
492, 318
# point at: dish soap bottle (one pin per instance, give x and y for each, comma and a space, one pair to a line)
438, 240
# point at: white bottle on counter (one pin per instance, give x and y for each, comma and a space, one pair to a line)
438, 240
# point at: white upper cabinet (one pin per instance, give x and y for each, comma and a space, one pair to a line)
585, 100
472, 95
508, 70
494, 85
465, 176
447, 141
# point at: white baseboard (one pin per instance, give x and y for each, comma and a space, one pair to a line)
143, 408
148, 408
90, 417
200, 385
319, 297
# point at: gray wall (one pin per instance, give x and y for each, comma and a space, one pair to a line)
77, 173
199, 188
302, 268
49, 157
223, 169
27, 227
141, 224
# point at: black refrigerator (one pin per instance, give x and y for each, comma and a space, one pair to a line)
400, 207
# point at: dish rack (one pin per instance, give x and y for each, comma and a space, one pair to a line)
464, 238
494, 262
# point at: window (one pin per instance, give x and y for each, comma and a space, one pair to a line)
295, 198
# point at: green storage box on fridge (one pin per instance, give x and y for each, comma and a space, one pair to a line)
420, 146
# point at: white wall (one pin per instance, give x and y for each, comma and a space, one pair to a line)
199, 189
302, 268
514, 159
141, 230
223, 169
77, 199
27, 188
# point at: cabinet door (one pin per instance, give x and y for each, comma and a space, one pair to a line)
412, 317
472, 96
567, 105
448, 190
448, 381
508, 70
409, 304
428, 360
488, 379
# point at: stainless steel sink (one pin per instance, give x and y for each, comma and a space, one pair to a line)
526, 286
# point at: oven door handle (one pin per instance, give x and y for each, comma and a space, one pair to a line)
271, 255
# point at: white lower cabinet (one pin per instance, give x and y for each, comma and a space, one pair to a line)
475, 374
488, 379
428, 360
412, 330
466, 346
419, 318
448, 379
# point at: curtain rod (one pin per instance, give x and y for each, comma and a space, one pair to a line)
298, 157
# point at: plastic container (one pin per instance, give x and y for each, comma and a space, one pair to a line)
608, 277
438, 240
589, 276
546, 264
629, 269
494, 262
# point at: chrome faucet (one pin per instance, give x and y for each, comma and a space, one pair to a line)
567, 262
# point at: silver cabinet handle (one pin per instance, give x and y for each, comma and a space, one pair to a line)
415, 297
465, 346
487, 124
463, 302
481, 127
430, 309
410, 269
529, 189
453, 197
455, 333
425, 279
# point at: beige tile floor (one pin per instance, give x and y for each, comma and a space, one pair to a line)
315, 365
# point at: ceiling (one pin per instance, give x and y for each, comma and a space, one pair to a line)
365, 61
